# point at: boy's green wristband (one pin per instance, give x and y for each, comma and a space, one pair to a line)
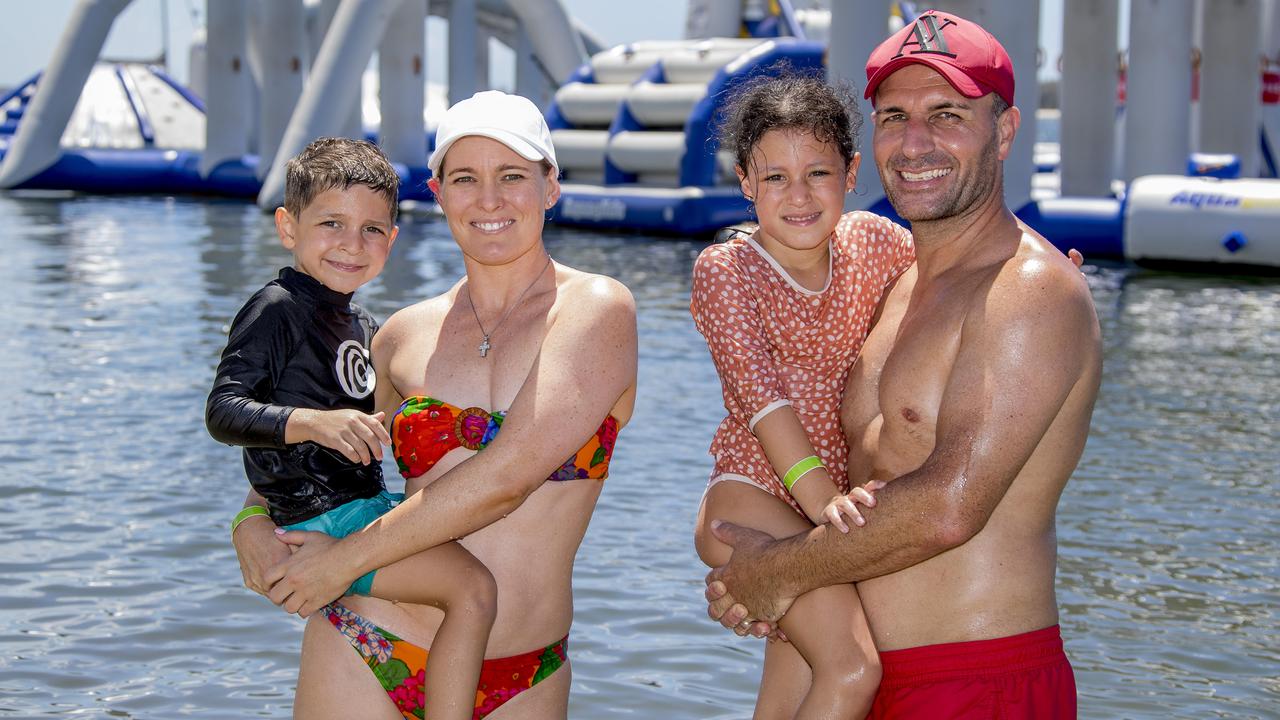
801, 467
245, 514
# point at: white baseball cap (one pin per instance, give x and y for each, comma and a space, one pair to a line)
512, 120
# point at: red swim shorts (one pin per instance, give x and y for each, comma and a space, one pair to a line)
1020, 676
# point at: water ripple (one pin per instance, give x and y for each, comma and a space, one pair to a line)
123, 598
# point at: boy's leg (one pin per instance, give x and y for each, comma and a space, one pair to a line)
451, 579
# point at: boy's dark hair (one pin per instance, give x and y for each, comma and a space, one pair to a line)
331, 162
789, 99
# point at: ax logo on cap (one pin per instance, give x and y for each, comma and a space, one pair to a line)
926, 35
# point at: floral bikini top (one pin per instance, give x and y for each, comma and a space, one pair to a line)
425, 429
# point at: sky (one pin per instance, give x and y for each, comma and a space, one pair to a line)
26, 47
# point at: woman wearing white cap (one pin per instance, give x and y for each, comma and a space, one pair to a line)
531, 361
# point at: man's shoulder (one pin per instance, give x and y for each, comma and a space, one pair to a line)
1039, 284
1039, 270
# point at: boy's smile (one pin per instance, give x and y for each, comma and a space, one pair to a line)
341, 238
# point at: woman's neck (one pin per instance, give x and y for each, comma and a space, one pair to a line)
494, 288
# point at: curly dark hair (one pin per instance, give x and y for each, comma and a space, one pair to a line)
788, 99
329, 163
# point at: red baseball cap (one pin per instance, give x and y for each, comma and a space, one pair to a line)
969, 57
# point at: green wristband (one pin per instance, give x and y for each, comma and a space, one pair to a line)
245, 514
801, 467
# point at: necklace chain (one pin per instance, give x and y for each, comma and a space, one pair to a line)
484, 345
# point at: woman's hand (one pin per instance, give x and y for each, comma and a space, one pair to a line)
311, 578
259, 550
842, 506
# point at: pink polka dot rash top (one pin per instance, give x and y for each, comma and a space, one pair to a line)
776, 343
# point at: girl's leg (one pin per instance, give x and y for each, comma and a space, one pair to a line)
784, 682
831, 632
333, 682
829, 629
451, 579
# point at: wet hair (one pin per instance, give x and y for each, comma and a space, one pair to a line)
788, 99
329, 163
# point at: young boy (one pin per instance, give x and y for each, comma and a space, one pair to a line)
295, 389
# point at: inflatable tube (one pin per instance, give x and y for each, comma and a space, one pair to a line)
663, 105
1090, 225
590, 104
35, 145
647, 152
1203, 222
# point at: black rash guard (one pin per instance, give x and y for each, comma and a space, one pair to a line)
295, 343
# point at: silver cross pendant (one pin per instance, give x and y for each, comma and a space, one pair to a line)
484, 347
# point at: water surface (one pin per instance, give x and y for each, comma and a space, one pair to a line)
122, 597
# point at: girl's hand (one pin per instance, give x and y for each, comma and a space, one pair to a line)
842, 506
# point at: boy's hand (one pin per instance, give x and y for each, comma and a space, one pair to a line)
359, 437
843, 505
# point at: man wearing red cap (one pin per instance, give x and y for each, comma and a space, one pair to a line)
971, 396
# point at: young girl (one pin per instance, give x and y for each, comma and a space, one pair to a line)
785, 311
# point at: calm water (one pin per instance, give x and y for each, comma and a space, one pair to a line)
121, 596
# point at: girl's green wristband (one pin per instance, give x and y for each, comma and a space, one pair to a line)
801, 467
245, 514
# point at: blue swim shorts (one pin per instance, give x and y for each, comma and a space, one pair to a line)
346, 519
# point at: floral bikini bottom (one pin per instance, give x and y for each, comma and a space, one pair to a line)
400, 666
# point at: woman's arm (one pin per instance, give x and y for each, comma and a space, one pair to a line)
257, 547
587, 362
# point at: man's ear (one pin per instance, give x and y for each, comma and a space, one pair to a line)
1007, 126
286, 228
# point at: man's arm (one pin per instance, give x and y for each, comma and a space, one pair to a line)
587, 362
1021, 353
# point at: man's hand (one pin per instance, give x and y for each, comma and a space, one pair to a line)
746, 582
309, 579
722, 608
259, 550
357, 436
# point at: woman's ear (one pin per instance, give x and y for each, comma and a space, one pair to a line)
553, 189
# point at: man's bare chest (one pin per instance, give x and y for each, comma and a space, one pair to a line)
897, 385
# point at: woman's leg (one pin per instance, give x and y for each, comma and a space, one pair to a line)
827, 627
333, 681
451, 579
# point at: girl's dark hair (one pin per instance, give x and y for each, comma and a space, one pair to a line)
789, 99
